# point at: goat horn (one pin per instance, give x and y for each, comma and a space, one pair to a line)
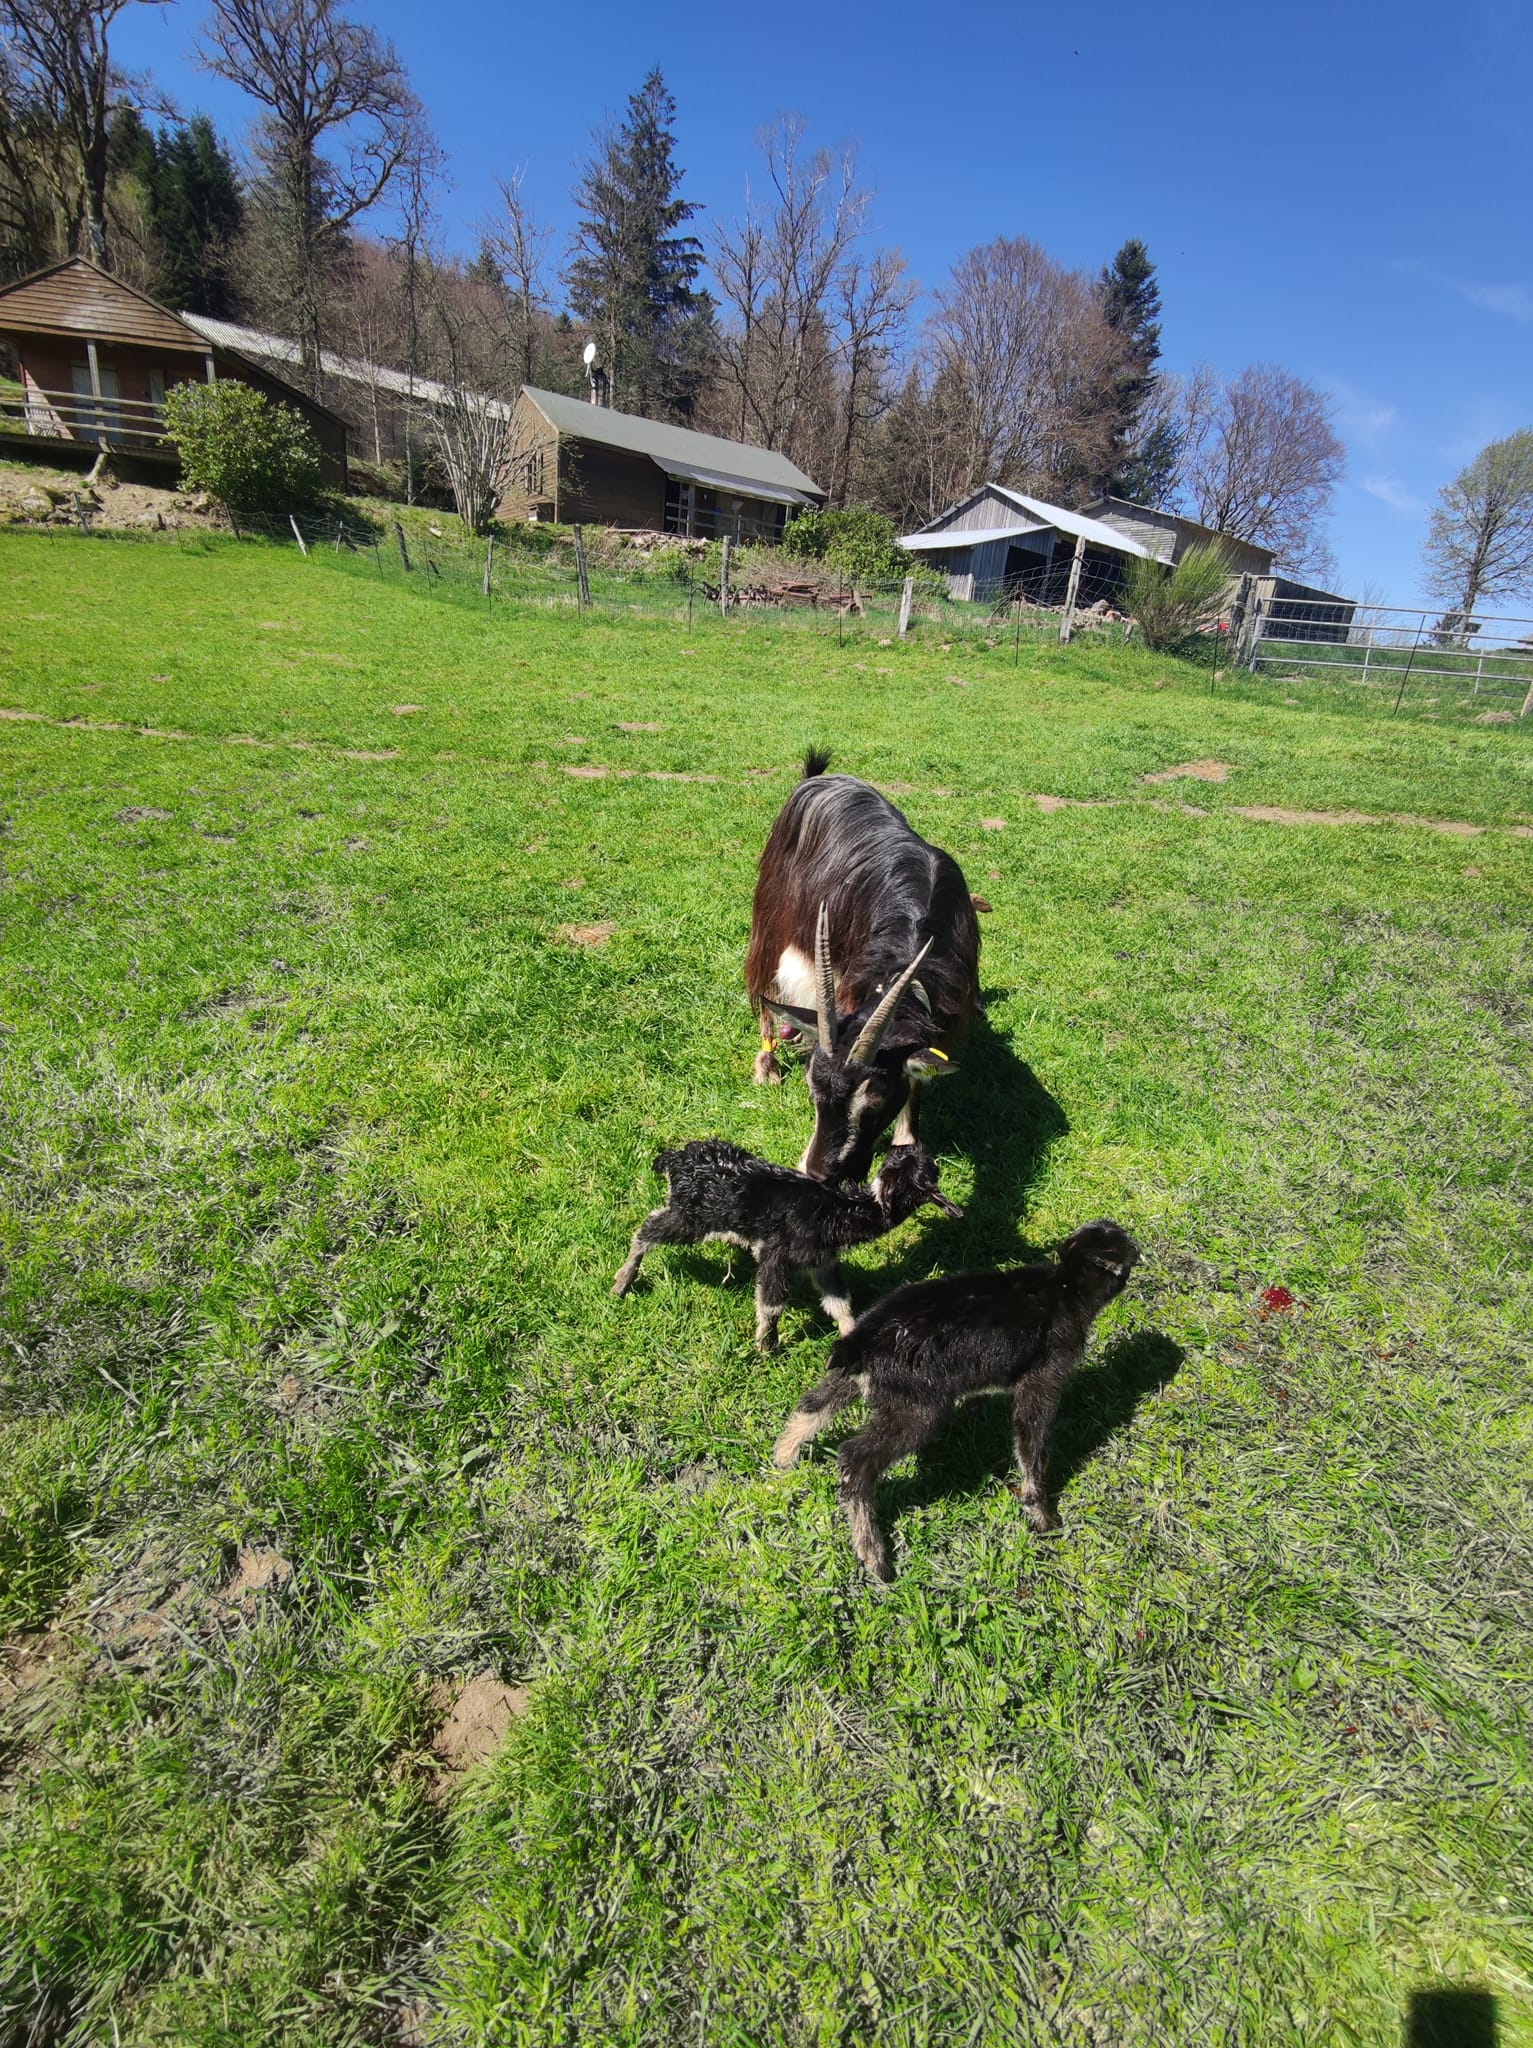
865, 1051
824, 984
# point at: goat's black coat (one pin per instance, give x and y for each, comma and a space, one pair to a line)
926, 1346
887, 892
717, 1190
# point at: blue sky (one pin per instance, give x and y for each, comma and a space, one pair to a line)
1344, 189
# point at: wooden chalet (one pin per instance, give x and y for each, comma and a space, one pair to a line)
580, 461
97, 358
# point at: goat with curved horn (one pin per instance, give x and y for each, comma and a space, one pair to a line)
865, 1051
824, 984
838, 839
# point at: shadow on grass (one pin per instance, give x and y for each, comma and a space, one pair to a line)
1098, 1403
1450, 2017
994, 1108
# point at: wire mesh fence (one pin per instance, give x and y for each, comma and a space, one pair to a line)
650, 576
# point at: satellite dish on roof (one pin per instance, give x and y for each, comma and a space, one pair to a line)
588, 354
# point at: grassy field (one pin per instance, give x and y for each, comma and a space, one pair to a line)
359, 949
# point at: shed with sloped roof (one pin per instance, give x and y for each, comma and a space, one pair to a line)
585, 463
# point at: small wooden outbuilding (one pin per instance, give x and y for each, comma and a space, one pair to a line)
583, 462
997, 539
97, 358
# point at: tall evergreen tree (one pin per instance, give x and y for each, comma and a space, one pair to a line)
197, 214
1143, 455
632, 273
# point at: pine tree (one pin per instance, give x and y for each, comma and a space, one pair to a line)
197, 216
1144, 452
632, 275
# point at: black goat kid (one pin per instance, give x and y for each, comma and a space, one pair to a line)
925, 1347
719, 1193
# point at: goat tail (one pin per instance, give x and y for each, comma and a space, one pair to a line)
816, 761
662, 1164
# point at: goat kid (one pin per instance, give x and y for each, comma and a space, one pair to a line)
925, 1347
849, 903
719, 1193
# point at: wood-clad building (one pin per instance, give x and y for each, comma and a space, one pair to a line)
584, 463
997, 539
97, 358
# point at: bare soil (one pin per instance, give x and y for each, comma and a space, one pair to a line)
1194, 771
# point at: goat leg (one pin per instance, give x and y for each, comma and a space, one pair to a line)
863, 1458
836, 1391
1032, 1420
766, 1067
772, 1278
830, 1284
657, 1228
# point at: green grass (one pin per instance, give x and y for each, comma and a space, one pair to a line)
322, 1142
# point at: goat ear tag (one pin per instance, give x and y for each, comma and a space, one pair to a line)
928, 1061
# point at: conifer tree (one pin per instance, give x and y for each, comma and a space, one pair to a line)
197, 213
1143, 449
632, 274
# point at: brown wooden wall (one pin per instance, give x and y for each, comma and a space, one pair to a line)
609, 487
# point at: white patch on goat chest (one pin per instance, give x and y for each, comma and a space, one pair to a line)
732, 1237
795, 979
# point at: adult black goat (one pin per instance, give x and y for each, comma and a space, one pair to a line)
850, 902
719, 1193
926, 1346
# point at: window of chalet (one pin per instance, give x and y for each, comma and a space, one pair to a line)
532, 474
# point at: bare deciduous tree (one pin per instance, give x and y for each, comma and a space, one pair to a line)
811, 321
339, 125
1260, 460
1481, 540
470, 412
57, 62
518, 246
1017, 352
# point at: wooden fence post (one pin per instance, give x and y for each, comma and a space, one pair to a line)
489, 556
404, 552
581, 577
905, 596
1067, 623
292, 522
724, 578
1527, 703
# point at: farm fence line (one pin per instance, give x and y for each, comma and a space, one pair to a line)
1395, 657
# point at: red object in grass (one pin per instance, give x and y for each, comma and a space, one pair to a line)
1275, 1300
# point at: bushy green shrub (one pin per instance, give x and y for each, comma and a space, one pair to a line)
1172, 605
860, 545
533, 536
255, 456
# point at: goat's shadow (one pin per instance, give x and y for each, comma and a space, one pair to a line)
1098, 1403
993, 1108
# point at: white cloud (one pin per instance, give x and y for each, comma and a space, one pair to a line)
1390, 491
1511, 301
1361, 417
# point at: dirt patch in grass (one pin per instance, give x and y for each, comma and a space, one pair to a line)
992, 824
1193, 771
1280, 814
477, 1716
141, 814
404, 710
587, 935
636, 725
1494, 718
31, 1662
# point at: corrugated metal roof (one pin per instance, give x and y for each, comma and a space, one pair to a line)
251, 341
742, 486
967, 536
1092, 531
1041, 513
75, 298
671, 445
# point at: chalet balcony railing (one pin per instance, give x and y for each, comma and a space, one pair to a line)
72, 416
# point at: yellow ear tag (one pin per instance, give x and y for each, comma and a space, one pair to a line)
934, 1054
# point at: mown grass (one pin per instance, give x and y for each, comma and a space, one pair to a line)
323, 1136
